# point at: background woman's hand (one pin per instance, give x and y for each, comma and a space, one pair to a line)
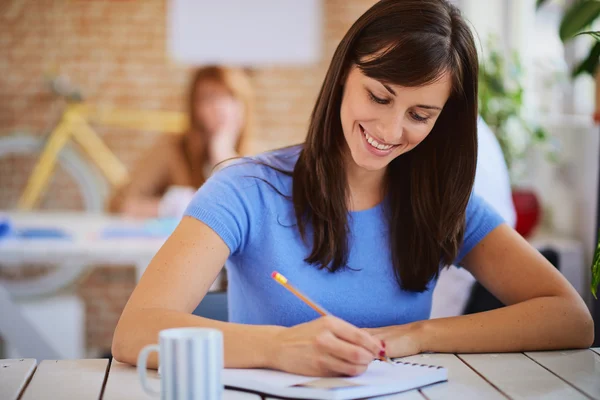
327, 346
140, 207
226, 132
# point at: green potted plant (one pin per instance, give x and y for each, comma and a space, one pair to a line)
578, 17
576, 20
501, 95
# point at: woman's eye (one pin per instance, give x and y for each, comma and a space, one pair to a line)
418, 118
377, 99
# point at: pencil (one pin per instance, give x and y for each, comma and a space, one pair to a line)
284, 282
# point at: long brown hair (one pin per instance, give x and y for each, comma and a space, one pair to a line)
408, 43
237, 82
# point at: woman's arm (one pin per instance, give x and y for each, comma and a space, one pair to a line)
543, 310
172, 286
176, 281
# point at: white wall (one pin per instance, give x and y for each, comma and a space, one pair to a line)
487, 18
259, 33
60, 320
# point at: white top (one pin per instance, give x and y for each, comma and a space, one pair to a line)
492, 181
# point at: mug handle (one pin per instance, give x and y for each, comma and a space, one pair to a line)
141, 367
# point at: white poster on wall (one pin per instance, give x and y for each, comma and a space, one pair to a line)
244, 32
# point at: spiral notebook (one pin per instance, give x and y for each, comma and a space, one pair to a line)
381, 378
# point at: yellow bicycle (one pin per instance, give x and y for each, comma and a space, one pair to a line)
76, 125
91, 165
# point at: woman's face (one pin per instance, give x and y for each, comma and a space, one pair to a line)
382, 121
217, 111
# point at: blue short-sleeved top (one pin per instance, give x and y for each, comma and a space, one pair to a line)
259, 226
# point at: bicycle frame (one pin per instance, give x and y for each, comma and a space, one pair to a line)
73, 125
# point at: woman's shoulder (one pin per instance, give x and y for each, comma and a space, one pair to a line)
480, 219
284, 158
272, 163
239, 196
274, 167
478, 206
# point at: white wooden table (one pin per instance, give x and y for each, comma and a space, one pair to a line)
570, 374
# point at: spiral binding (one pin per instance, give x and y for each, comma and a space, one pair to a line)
416, 364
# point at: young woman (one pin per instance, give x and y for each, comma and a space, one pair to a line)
220, 112
377, 200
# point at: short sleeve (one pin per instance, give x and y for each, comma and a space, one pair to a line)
229, 203
481, 219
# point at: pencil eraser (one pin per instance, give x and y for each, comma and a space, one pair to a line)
278, 277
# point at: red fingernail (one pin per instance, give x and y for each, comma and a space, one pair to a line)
383, 344
382, 353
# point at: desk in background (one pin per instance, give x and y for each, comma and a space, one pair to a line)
91, 239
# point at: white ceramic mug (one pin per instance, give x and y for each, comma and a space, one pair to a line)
191, 361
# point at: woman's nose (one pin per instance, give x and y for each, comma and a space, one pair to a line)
394, 130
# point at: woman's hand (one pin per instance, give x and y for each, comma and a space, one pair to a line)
227, 132
399, 340
140, 207
327, 346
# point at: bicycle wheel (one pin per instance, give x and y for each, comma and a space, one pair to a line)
73, 175
18, 153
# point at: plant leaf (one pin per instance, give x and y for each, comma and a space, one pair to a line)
596, 271
577, 17
594, 34
590, 64
540, 134
539, 3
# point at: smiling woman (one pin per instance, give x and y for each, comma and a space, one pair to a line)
388, 120
362, 217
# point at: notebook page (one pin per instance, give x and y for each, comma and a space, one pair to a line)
382, 373
378, 373
273, 378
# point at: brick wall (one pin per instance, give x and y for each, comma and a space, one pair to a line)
115, 51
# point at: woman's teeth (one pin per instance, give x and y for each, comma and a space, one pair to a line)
376, 144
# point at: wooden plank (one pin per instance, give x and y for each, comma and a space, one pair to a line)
578, 367
519, 377
123, 384
463, 382
67, 379
14, 376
